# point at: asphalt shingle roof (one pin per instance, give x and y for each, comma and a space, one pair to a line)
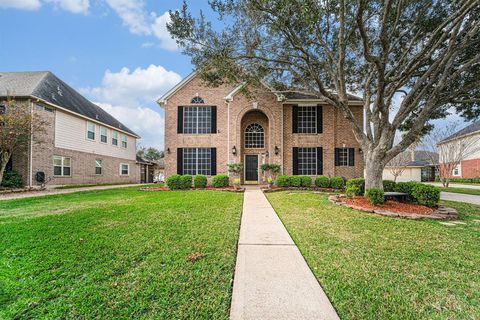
474, 127
46, 86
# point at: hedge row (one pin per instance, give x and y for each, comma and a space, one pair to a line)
306, 181
186, 181
420, 193
462, 180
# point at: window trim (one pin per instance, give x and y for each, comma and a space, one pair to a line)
128, 169
101, 167
458, 168
106, 135
88, 130
62, 166
122, 140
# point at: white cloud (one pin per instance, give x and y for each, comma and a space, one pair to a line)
21, 4
133, 15
135, 87
74, 6
143, 121
159, 28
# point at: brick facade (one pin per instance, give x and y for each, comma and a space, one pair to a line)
262, 107
470, 168
82, 163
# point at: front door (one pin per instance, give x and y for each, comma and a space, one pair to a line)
251, 168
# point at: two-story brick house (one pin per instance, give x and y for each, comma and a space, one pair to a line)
81, 142
206, 128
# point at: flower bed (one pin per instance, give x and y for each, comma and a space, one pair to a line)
226, 189
396, 209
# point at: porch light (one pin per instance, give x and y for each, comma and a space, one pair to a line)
234, 150
277, 150
168, 150
267, 154
360, 150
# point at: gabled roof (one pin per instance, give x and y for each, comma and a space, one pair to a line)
45, 86
474, 127
283, 96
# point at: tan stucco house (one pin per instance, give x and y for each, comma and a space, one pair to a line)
82, 143
206, 128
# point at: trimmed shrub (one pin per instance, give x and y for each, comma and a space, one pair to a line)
174, 182
337, 182
283, 181
220, 181
322, 182
359, 183
305, 181
375, 196
12, 179
200, 181
187, 181
388, 185
406, 187
426, 195
352, 190
296, 181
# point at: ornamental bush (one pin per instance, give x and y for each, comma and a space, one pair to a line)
283, 181
406, 187
359, 183
426, 195
337, 182
186, 181
296, 181
375, 196
12, 179
305, 181
322, 182
200, 181
388, 185
174, 182
352, 190
220, 181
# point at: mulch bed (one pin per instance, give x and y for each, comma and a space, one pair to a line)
397, 209
225, 189
17, 190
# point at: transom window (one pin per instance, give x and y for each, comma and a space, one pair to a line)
98, 166
90, 130
61, 166
115, 138
197, 161
197, 99
254, 136
307, 119
197, 120
103, 134
307, 161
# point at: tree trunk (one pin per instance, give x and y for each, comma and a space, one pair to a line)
373, 172
5, 156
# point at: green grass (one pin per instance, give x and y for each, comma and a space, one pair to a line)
118, 253
74, 186
375, 267
475, 192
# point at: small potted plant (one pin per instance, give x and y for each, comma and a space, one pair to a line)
270, 183
236, 169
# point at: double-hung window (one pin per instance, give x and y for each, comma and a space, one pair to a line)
61, 166
115, 138
103, 135
307, 119
344, 157
90, 130
197, 161
124, 169
124, 140
98, 167
308, 161
197, 120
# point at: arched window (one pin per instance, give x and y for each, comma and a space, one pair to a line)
197, 99
254, 136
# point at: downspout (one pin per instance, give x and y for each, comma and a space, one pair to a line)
30, 158
281, 140
227, 102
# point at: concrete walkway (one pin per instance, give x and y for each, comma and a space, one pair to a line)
48, 192
272, 279
467, 198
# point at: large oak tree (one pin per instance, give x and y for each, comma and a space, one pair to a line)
412, 61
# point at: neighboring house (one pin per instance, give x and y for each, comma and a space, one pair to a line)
421, 166
469, 136
82, 142
207, 128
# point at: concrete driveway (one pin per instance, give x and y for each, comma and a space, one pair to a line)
460, 197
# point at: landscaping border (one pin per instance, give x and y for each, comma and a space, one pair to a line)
442, 212
277, 189
166, 189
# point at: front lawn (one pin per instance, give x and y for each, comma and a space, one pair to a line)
119, 253
375, 267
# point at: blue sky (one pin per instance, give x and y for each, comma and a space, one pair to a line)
117, 53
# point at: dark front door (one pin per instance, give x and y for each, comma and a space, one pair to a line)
251, 168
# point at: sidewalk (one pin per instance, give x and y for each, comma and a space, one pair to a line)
272, 279
467, 198
48, 192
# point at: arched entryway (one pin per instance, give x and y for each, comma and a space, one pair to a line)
254, 142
